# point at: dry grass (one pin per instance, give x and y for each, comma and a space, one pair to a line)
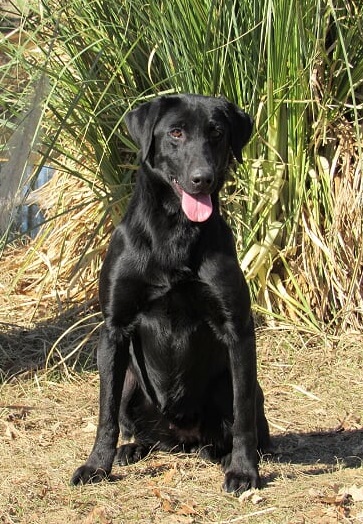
314, 400
60, 266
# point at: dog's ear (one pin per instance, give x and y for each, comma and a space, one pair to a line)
240, 128
141, 123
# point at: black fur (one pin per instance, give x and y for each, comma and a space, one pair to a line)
177, 357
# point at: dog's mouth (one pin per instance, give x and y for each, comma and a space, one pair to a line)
197, 207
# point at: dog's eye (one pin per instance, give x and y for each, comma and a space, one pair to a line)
176, 133
215, 133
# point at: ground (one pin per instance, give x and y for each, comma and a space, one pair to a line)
314, 402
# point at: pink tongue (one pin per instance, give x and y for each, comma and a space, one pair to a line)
198, 208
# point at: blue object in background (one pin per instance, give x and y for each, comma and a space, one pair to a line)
30, 216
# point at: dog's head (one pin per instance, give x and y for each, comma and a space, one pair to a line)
188, 140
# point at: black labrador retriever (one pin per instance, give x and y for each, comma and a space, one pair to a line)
176, 357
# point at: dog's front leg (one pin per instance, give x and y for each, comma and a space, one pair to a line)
112, 359
242, 471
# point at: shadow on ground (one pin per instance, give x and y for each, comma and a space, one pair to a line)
70, 340
324, 451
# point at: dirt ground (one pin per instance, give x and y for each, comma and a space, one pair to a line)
314, 401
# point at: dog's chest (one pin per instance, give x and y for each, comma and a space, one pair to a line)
176, 337
177, 307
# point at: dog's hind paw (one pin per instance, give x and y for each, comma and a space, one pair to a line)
237, 483
88, 475
130, 453
226, 461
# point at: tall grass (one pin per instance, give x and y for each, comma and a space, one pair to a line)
296, 203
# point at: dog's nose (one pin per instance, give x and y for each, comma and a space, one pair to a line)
202, 180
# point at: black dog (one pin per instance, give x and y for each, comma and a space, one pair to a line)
177, 357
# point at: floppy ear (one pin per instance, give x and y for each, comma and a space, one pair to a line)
141, 123
240, 128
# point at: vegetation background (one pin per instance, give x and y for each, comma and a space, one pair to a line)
69, 72
296, 204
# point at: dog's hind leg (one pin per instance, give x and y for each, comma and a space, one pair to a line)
151, 430
138, 420
131, 409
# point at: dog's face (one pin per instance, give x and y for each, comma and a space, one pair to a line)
188, 141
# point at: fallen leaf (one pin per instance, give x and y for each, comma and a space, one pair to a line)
170, 474
337, 500
256, 498
341, 496
254, 495
98, 515
315, 493
330, 499
349, 422
11, 433
165, 500
167, 505
356, 493
89, 428
157, 492
187, 508
19, 415
174, 505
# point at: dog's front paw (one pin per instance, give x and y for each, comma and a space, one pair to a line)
237, 482
88, 475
